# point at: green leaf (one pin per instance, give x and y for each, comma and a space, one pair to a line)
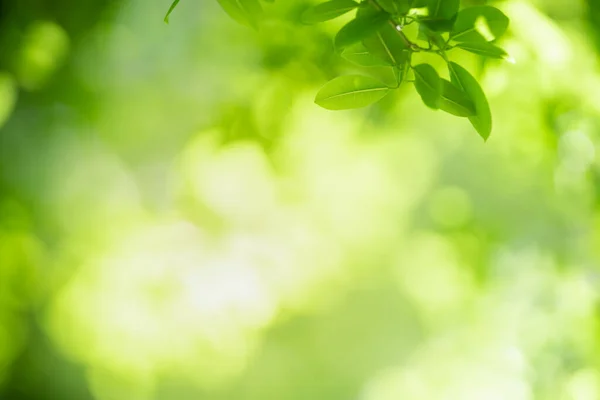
466, 26
428, 85
429, 35
442, 15
403, 6
360, 28
455, 101
438, 24
419, 3
483, 49
350, 91
402, 72
171, 10
482, 120
328, 10
443, 9
360, 55
245, 12
388, 45
389, 76
367, 9
388, 5
395, 7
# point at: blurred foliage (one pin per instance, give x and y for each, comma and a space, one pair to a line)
380, 39
179, 220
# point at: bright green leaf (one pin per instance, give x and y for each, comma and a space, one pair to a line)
455, 101
390, 76
483, 49
328, 10
482, 120
246, 12
389, 45
360, 55
466, 30
428, 85
350, 91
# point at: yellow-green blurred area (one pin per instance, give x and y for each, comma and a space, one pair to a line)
180, 221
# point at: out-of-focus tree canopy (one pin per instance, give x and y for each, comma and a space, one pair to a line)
179, 220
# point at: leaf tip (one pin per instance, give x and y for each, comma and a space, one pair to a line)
173, 5
485, 134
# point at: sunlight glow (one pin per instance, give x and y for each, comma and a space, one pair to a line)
45, 48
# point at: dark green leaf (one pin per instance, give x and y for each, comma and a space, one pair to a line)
419, 3
328, 10
396, 7
367, 9
465, 27
429, 35
483, 49
350, 91
360, 28
403, 6
482, 120
428, 85
442, 15
388, 5
442, 9
438, 24
455, 101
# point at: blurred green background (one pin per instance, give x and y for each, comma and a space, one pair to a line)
179, 220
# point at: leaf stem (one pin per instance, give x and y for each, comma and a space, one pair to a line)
409, 44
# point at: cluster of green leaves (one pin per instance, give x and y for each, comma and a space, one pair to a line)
380, 35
